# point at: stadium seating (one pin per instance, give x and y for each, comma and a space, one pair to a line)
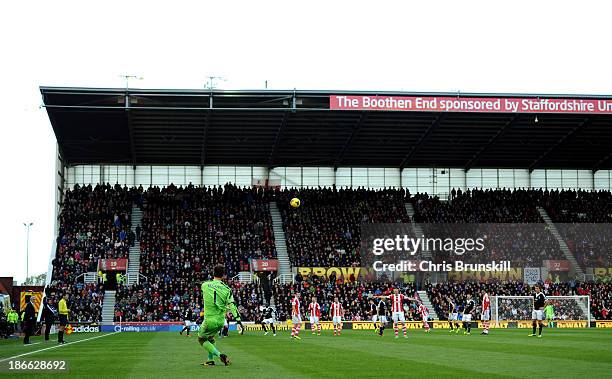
169, 302
569, 206
94, 223
325, 230
583, 220
186, 231
511, 216
85, 300
479, 206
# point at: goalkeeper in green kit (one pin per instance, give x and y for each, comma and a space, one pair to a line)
218, 299
549, 311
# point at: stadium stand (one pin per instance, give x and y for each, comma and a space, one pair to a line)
479, 206
85, 300
510, 216
326, 230
570, 206
185, 231
154, 302
582, 219
94, 224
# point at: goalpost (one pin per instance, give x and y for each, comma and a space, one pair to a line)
519, 308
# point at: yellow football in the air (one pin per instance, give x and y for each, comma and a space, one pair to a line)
295, 202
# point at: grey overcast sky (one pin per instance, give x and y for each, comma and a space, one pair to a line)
473, 46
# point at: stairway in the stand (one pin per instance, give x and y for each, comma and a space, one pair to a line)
133, 270
427, 302
416, 228
108, 307
564, 248
284, 264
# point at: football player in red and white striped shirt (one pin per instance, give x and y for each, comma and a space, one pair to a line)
336, 312
314, 310
296, 316
485, 315
424, 312
397, 310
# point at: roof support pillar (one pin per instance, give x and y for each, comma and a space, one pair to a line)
603, 160
542, 158
500, 133
415, 149
347, 145
277, 139
207, 117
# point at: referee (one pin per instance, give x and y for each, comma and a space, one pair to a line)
63, 317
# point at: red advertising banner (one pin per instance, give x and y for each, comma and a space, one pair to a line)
112, 264
264, 264
469, 104
555, 266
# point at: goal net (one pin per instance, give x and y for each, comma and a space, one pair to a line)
519, 308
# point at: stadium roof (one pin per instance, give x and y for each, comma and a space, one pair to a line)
298, 128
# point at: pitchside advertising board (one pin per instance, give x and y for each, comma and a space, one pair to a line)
140, 327
340, 272
416, 325
603, 272
82, 328
470, 104
361, 273
143, 327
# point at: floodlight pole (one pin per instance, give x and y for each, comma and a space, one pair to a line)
211, 81
28, 225
127, 80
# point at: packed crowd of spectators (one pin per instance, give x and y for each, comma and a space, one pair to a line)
590, 243
507, 221
146, 302
479, 206
185, 230
249, 299
325, 230
94, 224
84, 300
584, 220
569, 206
601, 298
156, 301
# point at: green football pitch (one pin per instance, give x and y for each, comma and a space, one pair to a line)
562, 353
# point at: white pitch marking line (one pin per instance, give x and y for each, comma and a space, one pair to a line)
55, 347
